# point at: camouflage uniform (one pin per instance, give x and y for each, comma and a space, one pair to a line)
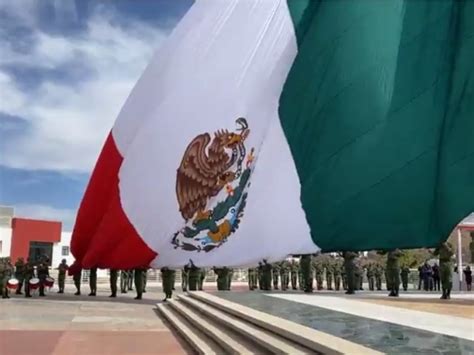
445, 252
222, 275
405, 272
77, 276
252, 278
393, 271
284, 274
275, 274
294, 269
123, 281
350, 267
378, 272
337, 265
43, 272
318, 266
184, 278
306, 268
62, 269
371, 276
113, 282
202, 278
329, 266
29, 274
6, 271
93, 281
167, 276
194, 277
20, 274
267, 276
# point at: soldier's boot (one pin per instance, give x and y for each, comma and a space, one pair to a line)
444, 295
448, 294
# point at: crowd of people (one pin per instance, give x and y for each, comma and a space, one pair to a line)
340, 271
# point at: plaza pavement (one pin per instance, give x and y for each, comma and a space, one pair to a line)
67, 325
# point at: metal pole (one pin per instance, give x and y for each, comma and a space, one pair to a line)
460, 259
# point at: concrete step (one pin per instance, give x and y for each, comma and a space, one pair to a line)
263, 340
231, 343
195, 339
296, 334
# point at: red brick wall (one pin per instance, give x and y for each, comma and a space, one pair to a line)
25, 231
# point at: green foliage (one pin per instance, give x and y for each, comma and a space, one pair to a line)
413, 258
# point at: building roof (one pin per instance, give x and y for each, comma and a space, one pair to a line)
468, 222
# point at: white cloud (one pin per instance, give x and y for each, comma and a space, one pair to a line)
70, 120
45, 212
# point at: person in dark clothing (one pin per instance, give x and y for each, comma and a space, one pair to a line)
436, 278
420, 277
427, 276
468, 277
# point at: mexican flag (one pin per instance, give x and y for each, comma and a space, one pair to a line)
276, 127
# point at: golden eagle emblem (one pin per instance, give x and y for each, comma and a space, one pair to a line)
210, 187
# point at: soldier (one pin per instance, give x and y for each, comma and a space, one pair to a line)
113, 282
173, 280
20, 274
284, 274
329, 266
393, 271
138, 280
306, 269
184, 278
43, 272
404, 273
378, 272
371, 276
252, 275
29, 274
275, 274
6, 271
62, 269
350, 266
230, 275
318, 267
167, 276
93, 281
222, 275
267, 275
202, 278
337, 264
260, 275
294, 268
194, 276
145, 278
131, 278
76, 277
361, 271
445, 252
343, 274
123, 281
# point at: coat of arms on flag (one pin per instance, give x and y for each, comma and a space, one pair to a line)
211, 187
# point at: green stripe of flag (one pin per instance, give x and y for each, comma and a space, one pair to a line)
378, 110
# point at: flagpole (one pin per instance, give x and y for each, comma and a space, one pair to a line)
460, 259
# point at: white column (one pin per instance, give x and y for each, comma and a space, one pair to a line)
460, 271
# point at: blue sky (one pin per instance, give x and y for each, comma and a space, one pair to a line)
65, 71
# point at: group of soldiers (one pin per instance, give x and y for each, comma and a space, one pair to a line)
23, 272
345, 270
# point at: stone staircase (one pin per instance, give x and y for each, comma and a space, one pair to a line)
212, 325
